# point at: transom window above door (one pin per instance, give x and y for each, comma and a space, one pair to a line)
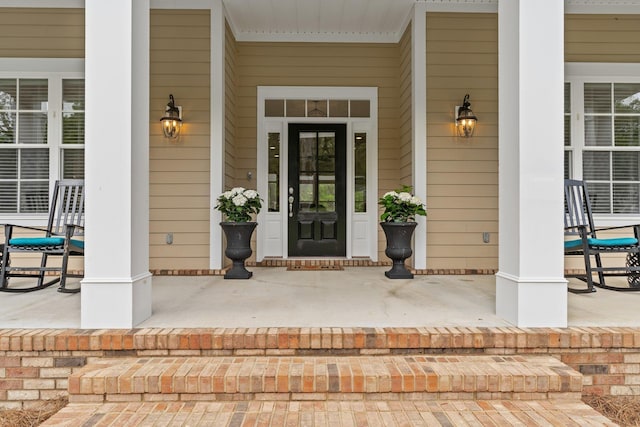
317, 108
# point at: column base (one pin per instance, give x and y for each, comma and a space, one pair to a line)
115, 303
532, 302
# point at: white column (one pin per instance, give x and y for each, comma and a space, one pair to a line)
217, 130
116, 290
530, 286
419, 127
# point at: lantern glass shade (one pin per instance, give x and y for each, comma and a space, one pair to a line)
466, 120
172, 120
466, 124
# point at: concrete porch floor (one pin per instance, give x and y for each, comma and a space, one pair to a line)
356, 296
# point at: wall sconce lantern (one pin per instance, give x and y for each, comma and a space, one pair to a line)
172, 119
465, 119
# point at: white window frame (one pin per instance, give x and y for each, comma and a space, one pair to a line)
54, 70
577, 74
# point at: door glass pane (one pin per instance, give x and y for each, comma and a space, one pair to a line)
597, 131
307, 192
597, 98
308, 151
596, 165
627, 97
274, 172
360, 172
326, 193
326, 152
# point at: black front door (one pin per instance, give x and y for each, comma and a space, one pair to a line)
317, 189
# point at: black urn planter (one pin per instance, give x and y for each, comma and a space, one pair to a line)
238, 249
399, 236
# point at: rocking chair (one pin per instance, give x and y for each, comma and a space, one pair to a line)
578, 222
66, 222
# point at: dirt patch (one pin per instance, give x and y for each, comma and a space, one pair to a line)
31, 417
624, 410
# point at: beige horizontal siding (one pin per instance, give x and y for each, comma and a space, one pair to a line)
602, 38
41, 33
179, 171
462, 174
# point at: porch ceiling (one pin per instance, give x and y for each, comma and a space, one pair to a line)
372, 21
330, 20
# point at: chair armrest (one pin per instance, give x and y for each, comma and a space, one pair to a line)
8, 228
617, 227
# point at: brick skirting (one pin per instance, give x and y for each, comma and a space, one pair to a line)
35, 364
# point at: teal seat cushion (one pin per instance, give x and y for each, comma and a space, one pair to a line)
43, 241
611, 243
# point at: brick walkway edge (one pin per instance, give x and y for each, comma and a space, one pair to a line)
35, 364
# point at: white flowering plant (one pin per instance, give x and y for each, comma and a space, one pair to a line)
401, 206
238, 204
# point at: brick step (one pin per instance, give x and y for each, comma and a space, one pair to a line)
335, 414
325, 378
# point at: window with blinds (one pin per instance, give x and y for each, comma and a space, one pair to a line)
611, 153
41, 139
72, 151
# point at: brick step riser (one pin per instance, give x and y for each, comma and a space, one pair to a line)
244, 378
306, 397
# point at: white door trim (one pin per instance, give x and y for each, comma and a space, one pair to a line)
272, 235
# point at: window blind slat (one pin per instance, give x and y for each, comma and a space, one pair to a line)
596, 165
9, 163
34, 163
597, 131
597, 98
73, 164
625, 166
33, 94
625, 198
8, 197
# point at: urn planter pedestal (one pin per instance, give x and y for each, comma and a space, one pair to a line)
238, 249
398, 248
